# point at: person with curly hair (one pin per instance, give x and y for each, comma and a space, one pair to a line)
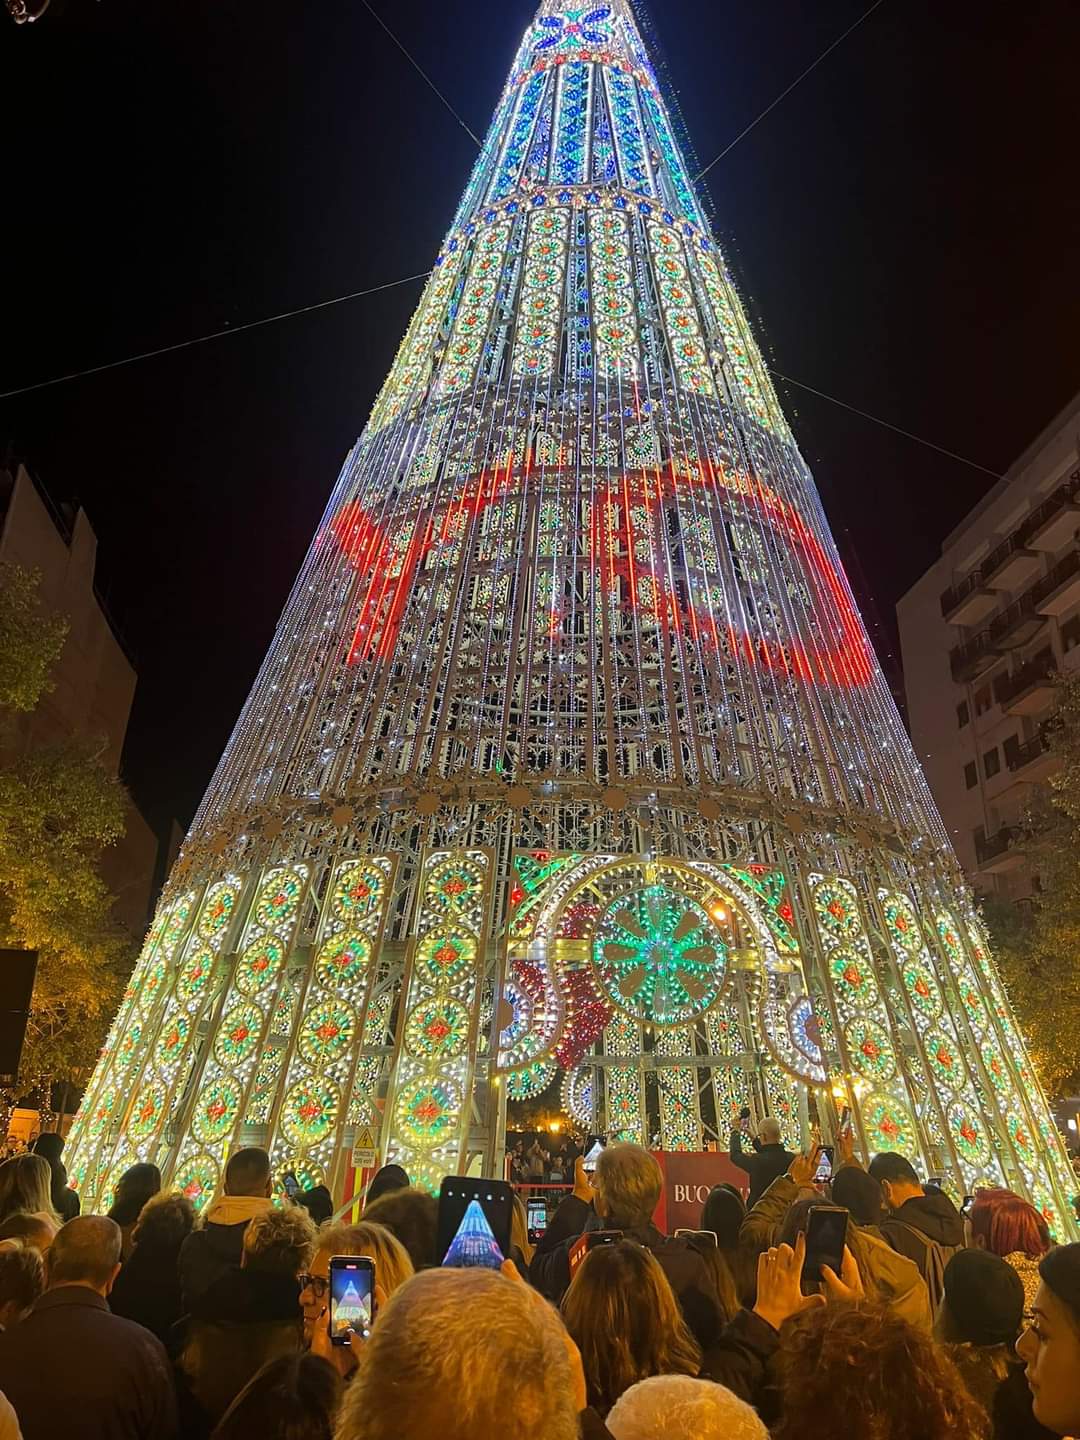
147, 1289
858, 1369
622, 1314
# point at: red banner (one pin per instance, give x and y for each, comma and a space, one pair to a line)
688, 1178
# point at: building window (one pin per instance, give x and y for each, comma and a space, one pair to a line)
1070, 634
971, 775
963, 715
991, 762
983, 700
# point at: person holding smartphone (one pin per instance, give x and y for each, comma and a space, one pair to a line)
769, 1159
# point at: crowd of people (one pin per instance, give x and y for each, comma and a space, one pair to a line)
149, 1322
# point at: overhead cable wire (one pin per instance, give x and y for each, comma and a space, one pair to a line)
213, 335
785, 93
421, 72
877, 420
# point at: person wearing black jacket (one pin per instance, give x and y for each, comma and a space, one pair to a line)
768, 1161
623, 1196
147, 1290
916, 1218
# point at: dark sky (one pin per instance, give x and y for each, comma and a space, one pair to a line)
906, 226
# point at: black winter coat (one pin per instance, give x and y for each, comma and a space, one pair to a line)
206, 1254
686, 1269
764, 1165
147, 1290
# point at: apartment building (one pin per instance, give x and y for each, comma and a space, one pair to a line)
981, 634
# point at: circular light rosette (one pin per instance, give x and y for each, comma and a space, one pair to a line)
889, 1124
949, 935
172, 1040
903, 924
428, 1112
343, 959
968, 1134
216, 1110
853, 979
194, 979
807, 1029
836, 909
217, 910
577, 1095
870, 1049
146, 1111
128, 1047
998, 1068
437, 1030
530, 1080
238, 1034
453, 887
1047, 1207
327, 1032
1021, 1137
197, 1179
358, 891
279, 898
309, 1111
99, 1120
259, 964
923, 989
943, 1056
447, 954
971, 1000
659, 956
148, 991
175, 924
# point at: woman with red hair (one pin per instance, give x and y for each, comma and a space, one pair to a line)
1011, 1227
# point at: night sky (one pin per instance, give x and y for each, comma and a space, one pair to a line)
905, 226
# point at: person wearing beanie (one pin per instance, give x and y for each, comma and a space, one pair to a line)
978, 1321
1050, 1347
386, 1181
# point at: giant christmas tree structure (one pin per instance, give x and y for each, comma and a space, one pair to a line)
570, 757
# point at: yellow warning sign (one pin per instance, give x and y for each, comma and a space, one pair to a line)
365, 1148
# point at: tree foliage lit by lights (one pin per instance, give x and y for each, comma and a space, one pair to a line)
1039, 946
59, 809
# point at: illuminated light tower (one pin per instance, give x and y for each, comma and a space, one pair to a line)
475, 1243
570, 760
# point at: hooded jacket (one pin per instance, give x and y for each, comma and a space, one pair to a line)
887, 1276
217, 1245
922, 1218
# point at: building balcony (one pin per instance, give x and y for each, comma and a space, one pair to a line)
1031, 762
1057, 520
969, 601
1059, 590
1011, 564
968, 661
1029, 690
1018, 623
996, 854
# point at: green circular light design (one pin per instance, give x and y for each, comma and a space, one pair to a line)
659, 956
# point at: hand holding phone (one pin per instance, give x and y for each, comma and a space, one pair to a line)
824, 1168
352, 1297
826, 1237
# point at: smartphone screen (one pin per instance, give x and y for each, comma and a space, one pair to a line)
291, 1184
824, 1165
536, 1218
826, 1235
352, 1296
594, 1146
474, 1221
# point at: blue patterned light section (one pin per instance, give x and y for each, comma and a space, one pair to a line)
629, 138
536, 343
570, 158
517, 145
684, 197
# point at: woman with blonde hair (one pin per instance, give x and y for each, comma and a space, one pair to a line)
26, 1186
622, 1314
392, 1268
